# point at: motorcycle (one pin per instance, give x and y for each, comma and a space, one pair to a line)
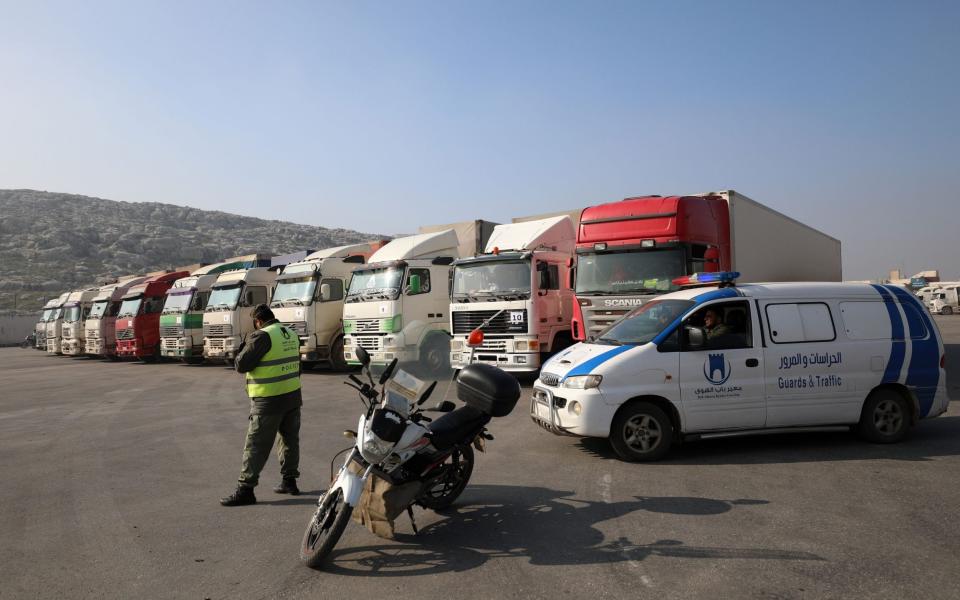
397, 442
29, 341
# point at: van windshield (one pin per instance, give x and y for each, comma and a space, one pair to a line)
644, 323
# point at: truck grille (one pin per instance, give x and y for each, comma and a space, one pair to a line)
598, 317
93, 334
125, 334
171, 330
466, 321
225, 330
367, 325
170, 343
490, 345
298, 326
369, 342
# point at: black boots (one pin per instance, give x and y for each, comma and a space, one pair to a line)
288, 486
242, 497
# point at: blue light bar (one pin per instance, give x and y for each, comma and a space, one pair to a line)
702, 278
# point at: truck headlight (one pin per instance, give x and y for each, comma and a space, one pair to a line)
526, 345
582, 382
456, 345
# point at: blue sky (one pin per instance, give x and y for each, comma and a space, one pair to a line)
382, 116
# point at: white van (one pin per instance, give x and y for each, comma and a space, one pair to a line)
767, 358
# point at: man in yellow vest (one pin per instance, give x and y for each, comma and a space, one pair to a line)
271, 360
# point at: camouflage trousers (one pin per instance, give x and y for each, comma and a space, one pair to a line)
261, 433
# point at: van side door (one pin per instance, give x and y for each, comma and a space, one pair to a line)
721, 368
808, 373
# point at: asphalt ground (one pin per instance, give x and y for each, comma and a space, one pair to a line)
111, 474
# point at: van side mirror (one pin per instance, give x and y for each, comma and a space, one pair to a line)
325, 292
694, 338
413, 286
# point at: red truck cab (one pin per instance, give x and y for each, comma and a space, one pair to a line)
630, 251
138, 320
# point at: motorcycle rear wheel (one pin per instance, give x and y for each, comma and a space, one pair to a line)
325, 528
448, 487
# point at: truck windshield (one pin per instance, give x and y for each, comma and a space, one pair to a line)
297, 291
496, 280
375, 284
177, 303
46, 315
631, 271
98, 309
642, 324
56, 314
72, 314
224, 298
130, 307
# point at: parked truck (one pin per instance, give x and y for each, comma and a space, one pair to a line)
309, 300
944, 300
101, 332
55, 325
181, 320
138, 320
521, 282
397, 305
75, 312
226, 319
40, 330
629, 252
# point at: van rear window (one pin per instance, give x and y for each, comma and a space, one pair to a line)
793, 323
866, 320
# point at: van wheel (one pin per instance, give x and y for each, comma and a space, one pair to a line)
641, 432
946, 310
885, 418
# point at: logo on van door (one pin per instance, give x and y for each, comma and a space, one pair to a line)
716, 369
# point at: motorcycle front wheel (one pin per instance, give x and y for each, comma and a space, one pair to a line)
448, 486
325, 528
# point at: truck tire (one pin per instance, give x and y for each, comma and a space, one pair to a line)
435, 357
885, 418
947, 310
641, 432
338, 361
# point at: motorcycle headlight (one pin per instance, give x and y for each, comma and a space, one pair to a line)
582, 382
374, 449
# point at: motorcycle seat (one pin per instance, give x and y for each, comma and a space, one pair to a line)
456, 426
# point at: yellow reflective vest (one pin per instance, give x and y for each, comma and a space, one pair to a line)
278, 372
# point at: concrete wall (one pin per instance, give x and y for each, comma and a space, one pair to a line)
14, 328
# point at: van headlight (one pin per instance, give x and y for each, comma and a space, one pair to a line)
582, 382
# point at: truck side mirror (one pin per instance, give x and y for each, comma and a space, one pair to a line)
572, 278
325, 292
543, 279
413, 286
695, 338
248, 298
711, 260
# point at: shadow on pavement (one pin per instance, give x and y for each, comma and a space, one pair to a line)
543, 526
929, 439
953, 371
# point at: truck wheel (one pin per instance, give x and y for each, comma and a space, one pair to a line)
641, 432
338, 361
946, 310
435, 357
885, 418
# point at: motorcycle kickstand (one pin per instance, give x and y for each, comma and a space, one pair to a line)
412, 522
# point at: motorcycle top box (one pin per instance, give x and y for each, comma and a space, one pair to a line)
488, 389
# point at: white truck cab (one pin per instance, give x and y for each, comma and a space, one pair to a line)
757, 358
309, 300
41, 327
521, 282
181, 320
55, 325
75, 312
227, 320
396, 306
100, 336
944, 300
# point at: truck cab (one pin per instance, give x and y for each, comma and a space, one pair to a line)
101, 334
226, 319
138, 319
41, 327
55, 325
309, 300
181, 320
75, 312
629, 252
396, 306
944, 301
521, 282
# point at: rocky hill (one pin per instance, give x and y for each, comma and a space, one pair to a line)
51, 243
